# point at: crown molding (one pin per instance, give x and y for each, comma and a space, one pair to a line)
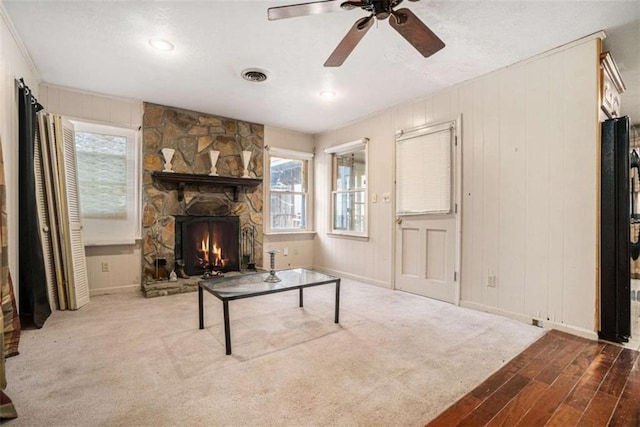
16, 38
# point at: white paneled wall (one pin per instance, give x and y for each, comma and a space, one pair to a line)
124, 261
299, 247
530, 134
14, 64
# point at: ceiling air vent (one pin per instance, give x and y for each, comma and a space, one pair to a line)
254, 75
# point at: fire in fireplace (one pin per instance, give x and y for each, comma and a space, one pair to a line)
208, 244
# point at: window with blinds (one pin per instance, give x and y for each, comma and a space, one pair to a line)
109, 173
423, 171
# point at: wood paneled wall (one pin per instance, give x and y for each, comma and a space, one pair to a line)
92, 107
530, 136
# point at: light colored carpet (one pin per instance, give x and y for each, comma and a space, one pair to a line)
395, 359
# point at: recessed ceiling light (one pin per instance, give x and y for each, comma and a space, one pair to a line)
328, 94
161, 44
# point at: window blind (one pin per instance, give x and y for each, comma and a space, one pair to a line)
348, 147
289, 154
423, 171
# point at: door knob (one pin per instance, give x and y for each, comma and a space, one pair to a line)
398, 221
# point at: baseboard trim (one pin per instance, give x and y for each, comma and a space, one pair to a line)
354, 277
546, 324
114, 290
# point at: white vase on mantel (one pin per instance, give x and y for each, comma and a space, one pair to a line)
246, 157
167, 153
213, 156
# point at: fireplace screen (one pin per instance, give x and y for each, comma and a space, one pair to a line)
208, 244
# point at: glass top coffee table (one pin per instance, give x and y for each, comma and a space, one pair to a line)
253, 285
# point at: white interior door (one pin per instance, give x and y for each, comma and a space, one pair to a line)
425, 256
427, 223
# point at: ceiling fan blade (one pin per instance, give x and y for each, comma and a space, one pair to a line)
349, 42
416, 32
303, 9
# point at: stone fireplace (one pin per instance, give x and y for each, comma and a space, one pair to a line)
178, 218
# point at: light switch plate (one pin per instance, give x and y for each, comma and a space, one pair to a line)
374, 198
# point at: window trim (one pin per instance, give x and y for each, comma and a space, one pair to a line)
134, 155
293, 155
342, 149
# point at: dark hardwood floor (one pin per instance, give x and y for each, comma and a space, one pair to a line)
560, 380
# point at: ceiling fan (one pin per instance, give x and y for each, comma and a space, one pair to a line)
402, 20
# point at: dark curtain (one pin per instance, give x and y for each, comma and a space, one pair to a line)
34, 303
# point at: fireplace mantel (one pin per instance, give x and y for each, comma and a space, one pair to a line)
182, 179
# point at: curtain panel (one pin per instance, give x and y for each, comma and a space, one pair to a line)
34, 302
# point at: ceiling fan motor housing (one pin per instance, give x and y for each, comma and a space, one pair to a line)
380, 8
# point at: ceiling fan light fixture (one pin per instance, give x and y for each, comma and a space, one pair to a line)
161, 44
255, 75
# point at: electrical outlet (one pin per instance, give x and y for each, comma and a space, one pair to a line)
105, 266
491, 280
386, 197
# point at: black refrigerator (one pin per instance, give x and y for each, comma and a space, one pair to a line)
615, 229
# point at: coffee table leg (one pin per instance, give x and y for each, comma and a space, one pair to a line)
301, 303
200, 308
227, 331
337, 301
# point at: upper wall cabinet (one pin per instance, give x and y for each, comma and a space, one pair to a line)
611, 87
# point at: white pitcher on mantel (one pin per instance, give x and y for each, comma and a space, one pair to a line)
167, 153
246, 157
213, 156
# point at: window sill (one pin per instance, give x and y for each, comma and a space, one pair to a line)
285, 233
109, 243
360, 237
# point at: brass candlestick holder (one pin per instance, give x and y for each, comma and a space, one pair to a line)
272, 278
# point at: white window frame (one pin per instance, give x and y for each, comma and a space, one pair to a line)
307, 159
107, 232
343, 149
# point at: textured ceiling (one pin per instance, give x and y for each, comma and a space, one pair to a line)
103, 47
